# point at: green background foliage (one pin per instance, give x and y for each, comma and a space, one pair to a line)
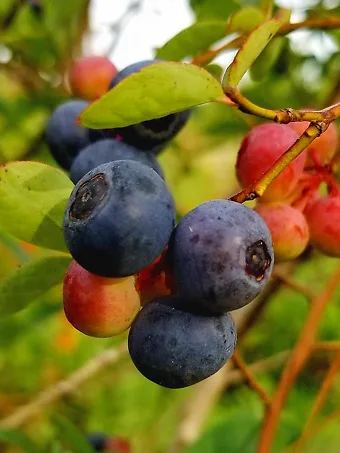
37, 346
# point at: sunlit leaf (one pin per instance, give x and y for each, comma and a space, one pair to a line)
33, 198
245, 20
28, 283
155, 91
192, 40
250, 50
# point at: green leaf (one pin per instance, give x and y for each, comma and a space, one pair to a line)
268, 58
245, 20
250, 50
218, 9
215, 70
33, 199
74, 438
192, 40
239, 433
155, 91
19, 439
30, 282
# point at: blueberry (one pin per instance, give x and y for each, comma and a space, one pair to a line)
153, 134
64, 137
176, 345
119, 218
97, 441
36, 8
107, 150
222, 255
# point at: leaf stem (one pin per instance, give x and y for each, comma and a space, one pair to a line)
327, 23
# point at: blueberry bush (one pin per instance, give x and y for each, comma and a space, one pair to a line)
169, 232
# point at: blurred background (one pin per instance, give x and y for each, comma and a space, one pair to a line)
38, 42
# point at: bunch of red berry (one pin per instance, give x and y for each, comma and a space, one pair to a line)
129, 253
302, 205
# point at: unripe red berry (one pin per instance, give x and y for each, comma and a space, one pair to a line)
155, 281
324, 146
324, 224
98, 306
288, 228
90, 77
261, 147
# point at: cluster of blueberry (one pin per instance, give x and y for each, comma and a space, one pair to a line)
296, 206
120, 229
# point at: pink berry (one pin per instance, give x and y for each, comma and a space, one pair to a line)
261, 147
324, 224
98, 306
288, 228
324, 146
90, 77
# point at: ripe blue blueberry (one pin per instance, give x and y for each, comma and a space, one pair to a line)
64, 137
222, 255
108, 150
119, 218
176, 345
153, 134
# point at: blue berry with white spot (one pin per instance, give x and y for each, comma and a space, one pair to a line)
222, 255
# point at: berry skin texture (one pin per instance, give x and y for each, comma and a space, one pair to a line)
64, 137
324, 146
288, 228
97, 306
324, 224
261, 147
109, 150
175, 345
153, 134
89, 77
119, 219
222, 255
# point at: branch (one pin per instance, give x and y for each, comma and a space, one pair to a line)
327, 23
289, 281
258, 188
319, 400
64, 387
250, 378
297, 360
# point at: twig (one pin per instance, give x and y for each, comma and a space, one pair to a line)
117, 27
319, 400
289, 281
258, 188
316, 429
327, 23
250, 378
327, 346
64, 387
298, 358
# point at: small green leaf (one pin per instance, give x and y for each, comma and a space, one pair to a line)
264, 63
250, 50
19, 439
72, 436
33, 198
192, 40
155, 91
28, 283
245, 20
215, 70
218, 9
